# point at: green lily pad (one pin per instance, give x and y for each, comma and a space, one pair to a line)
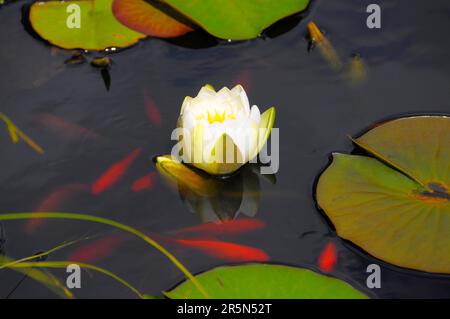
98, 28
395, 205
264, 281
237, 19
143, 17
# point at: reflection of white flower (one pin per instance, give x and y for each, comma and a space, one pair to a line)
213, 198
229, 198
220, 130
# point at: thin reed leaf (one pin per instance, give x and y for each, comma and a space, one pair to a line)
64, 264
105, 221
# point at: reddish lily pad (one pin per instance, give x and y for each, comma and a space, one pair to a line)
145, 18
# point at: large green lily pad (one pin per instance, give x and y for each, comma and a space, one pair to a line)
396, 204
263, 281
237, 19
98, 29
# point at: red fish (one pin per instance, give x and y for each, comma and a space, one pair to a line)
152, 111
97, 249
114, 173
225, 250
243, 79
54, 201
328, 258
228, 227
144, 183
63, 127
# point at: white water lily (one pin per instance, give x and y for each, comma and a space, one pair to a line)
220, 131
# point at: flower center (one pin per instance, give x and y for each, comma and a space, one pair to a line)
216, 116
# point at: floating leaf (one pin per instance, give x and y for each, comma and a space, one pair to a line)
101, 62
263, 281
145, 18
395, 206
237, 19
98, 28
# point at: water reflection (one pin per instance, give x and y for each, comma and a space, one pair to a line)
213, 198
238, 194
2, 240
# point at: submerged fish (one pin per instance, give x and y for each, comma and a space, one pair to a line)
97, 249
47, 74
152, 111
357, 73
114, 173
225, 250
144, 183
54, 201
328, 258
63, 127
326, 49
227, 227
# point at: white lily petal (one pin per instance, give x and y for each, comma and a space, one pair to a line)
237, 89
255, 114
239, 92
185, 105
206, 91
214, 115
188, 121
224, 91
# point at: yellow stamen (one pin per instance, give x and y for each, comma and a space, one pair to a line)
217, 117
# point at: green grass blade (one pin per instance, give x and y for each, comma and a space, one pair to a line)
40, 276
105, 221
45, 253
64, 264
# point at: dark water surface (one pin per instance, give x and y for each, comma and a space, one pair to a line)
408, 72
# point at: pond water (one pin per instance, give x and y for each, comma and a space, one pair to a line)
408, 73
